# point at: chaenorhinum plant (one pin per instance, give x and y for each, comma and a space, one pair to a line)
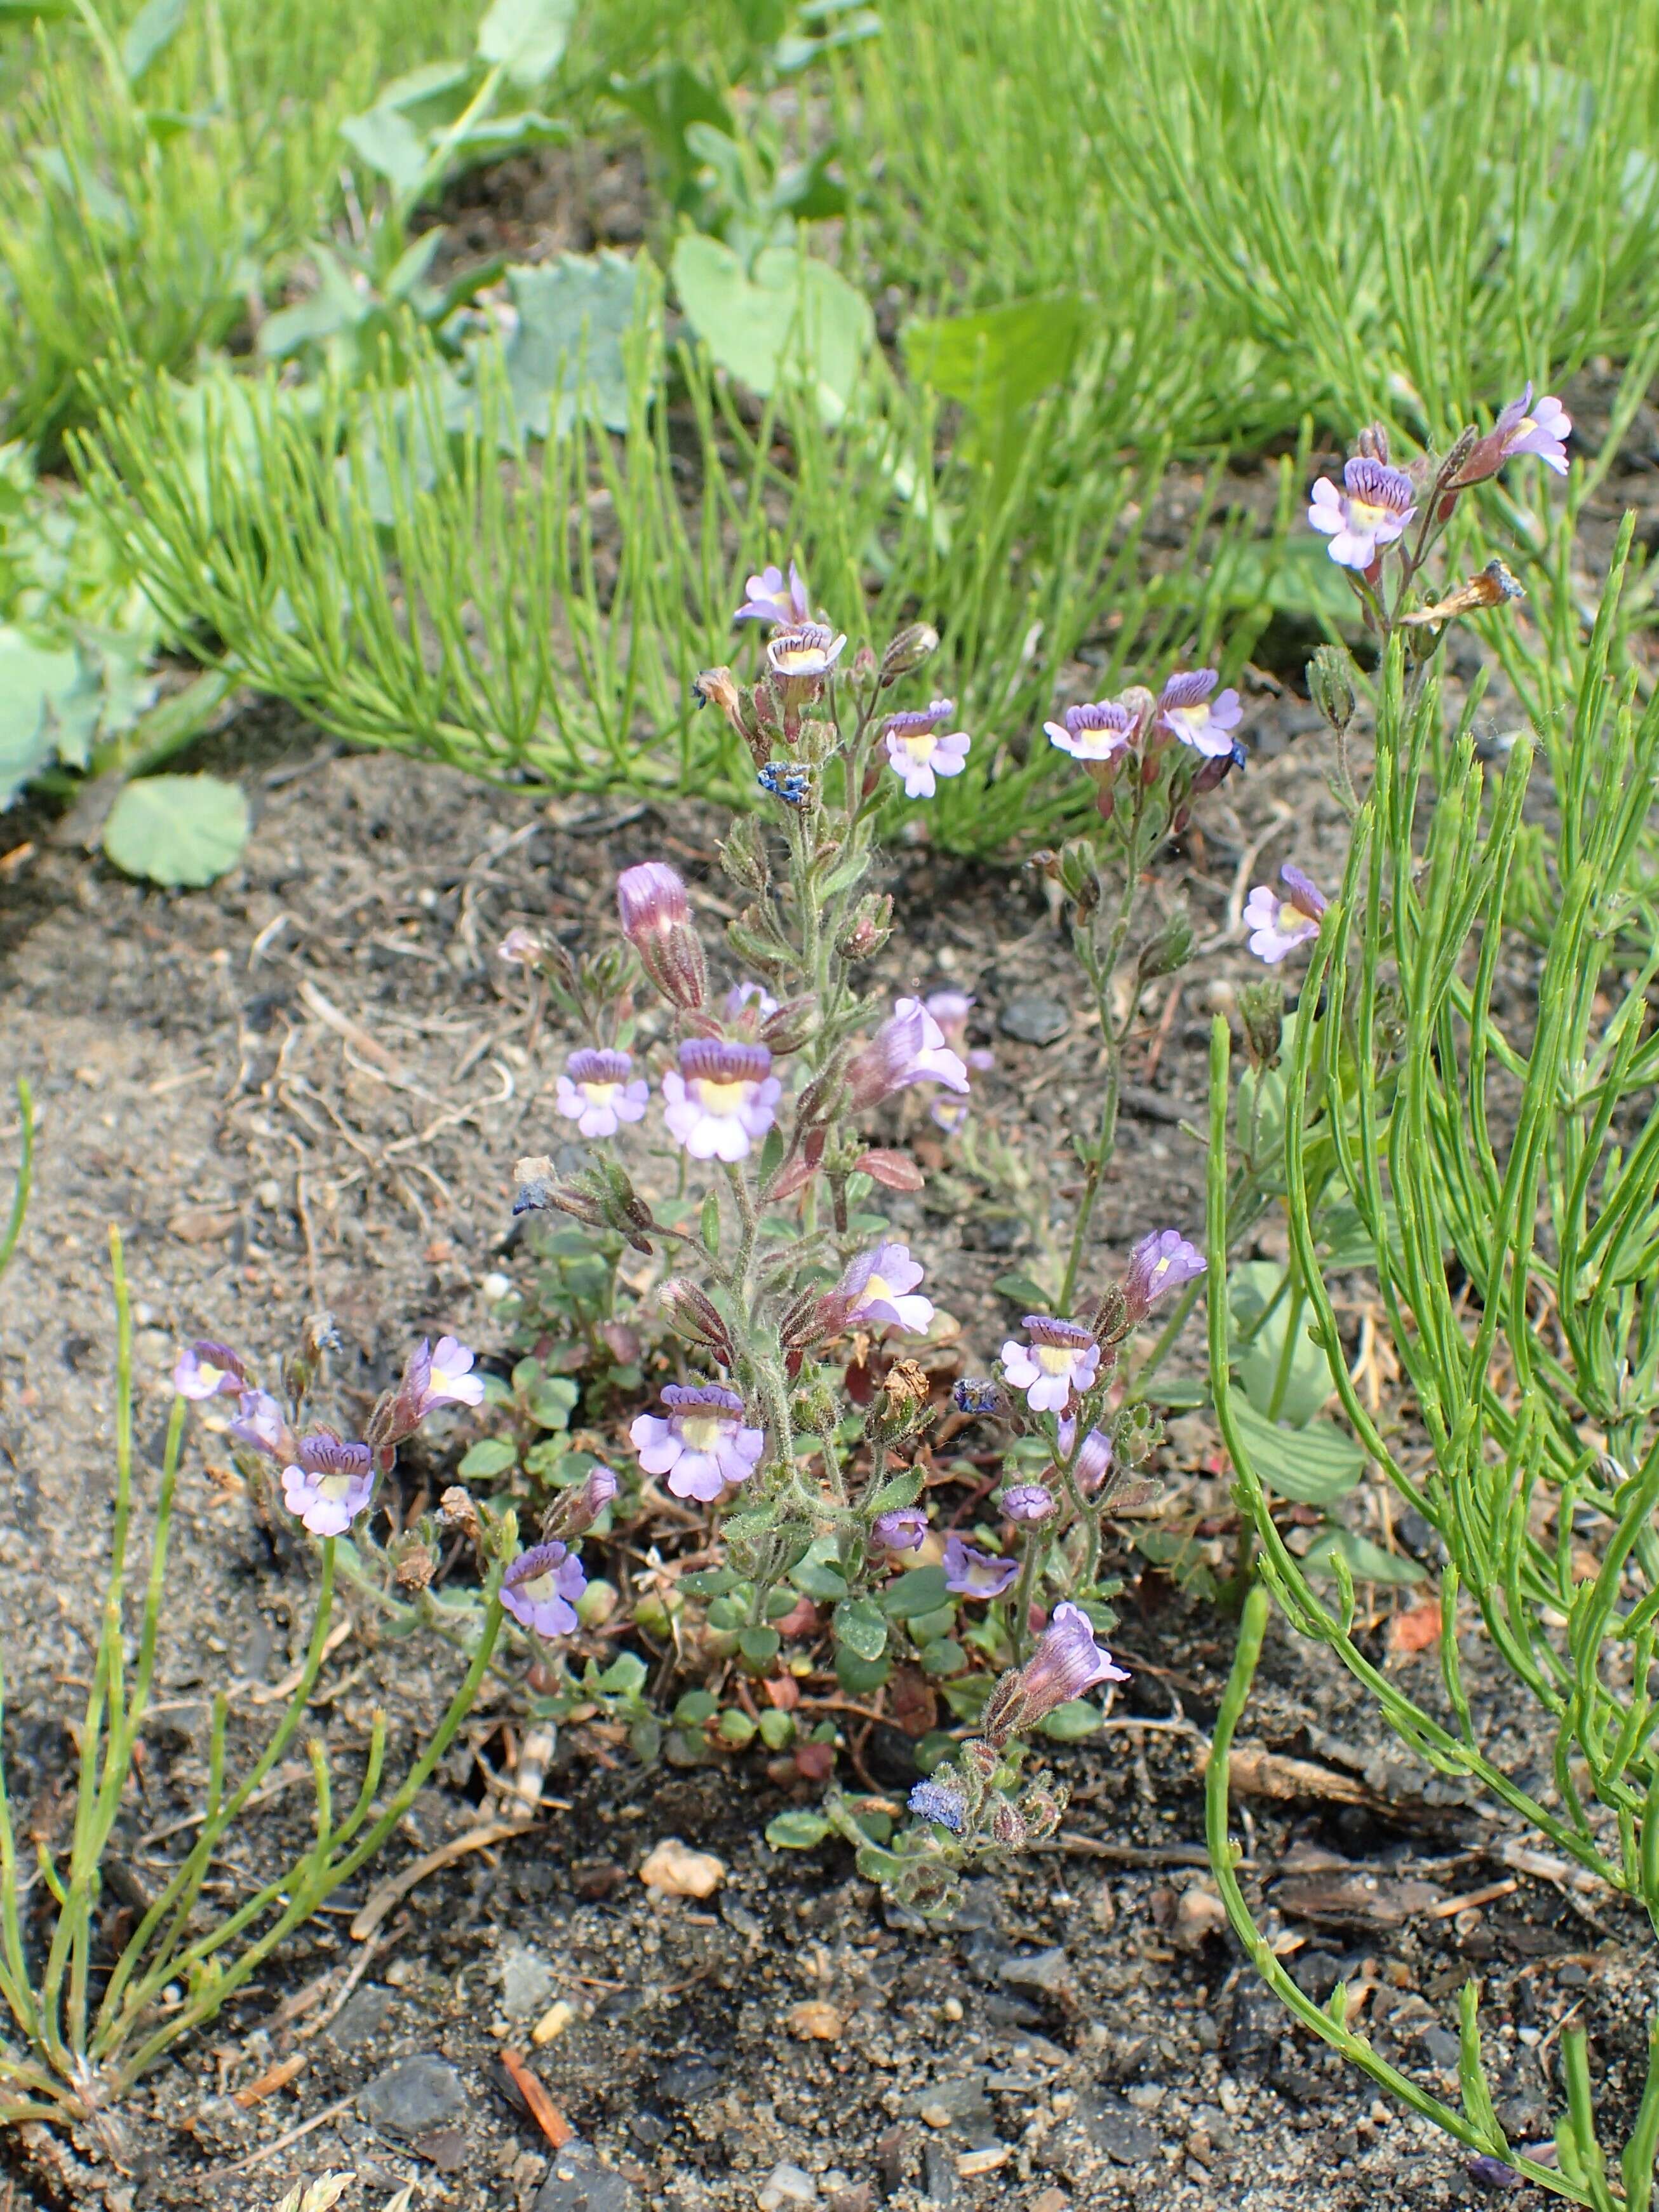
1519, 1161
83, 2030
784, 1282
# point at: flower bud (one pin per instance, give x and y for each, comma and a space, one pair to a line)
1373, 442
743, 855
913, 644
790, 1026
1007, 1828
1261, 1011
573, 1512
1143, 706
456, 1511
1111, 1322
1080, 876
751, 937
1043, 1808
656, 920
1330, 685
867, 928
695, 1316
1171, 948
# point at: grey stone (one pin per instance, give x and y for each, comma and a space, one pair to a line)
412, 2098
785, 2186
1046, 1972
939, 2165
528, 1983
1113, 2129
688, 2081
1034, 1020
1442, 2048
362, 2017
649, 2128
576, 2182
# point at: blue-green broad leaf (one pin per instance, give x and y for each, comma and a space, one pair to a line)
797, 1831
1367, 1562
528, 36
792, 319
182, 830
1313, 1465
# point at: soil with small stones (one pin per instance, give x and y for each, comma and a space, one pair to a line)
305, 1089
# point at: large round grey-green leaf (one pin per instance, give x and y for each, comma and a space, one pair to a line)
185, 829
793, 317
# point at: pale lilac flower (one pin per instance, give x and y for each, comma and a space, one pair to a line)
1098, 731
702, 1445
903, 1530
330, 1483
742, 996
440, 1375
206, 1370
520, 948
877, 1286
1094, 1459
722, 1098
917, 753
539, 1589
1186, 709
931, 1801
595, 1093
1028, 1501
1067, 1662
769, 601
805, 654
1277, 925
1371, 510
976, 1574
950, 1114
908, 1048
1524, 428
261, 1423
1061, 1357
655, 912
950, 1010
1160, 1262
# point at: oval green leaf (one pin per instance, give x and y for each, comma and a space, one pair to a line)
177, 830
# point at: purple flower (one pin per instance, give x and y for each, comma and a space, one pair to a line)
539, 1589
520, 948
931, 1801
1065, 1662
702, 1445
976, 1574
950, 1114
1277, 925
722, 1099
440, 1375
1094, 1460
903, 1530
877, 1287
1160, 1262
261, 1423
1100, 732
1370, 512
979, 1394
742, 996
1061, 1357
1491, 2173
950, 1010
329, 1482
805, 654
206, 1370
574, 1511
1523, 428
768, 601
908, 1048
918, 754
1186, 709
594, 1092
656, 920
1028, 1501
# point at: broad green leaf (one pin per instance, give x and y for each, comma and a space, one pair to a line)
625, 1677
996, 362
1024, 1293
796, 1831
1076, 1719
944, 1656
489, 1455
148, 35
1261, 1346
386, 141
184, 830
1368, 1562
759, 1647
572, 317
794, 318
860, 1623
898, 1490
334, 307
34, 681
921, 1591
1314, 1466
530, 36
860, 1678
708, 1582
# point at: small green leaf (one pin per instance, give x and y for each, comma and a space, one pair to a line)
551, 1403
928, 1627
1024, 1293
777, 1729
921, 1591
797, 1831
759, 1647
1256, 1288
1073, 1720
709, 1228
860, 1678
387, 144
900, 1490
736, 1727
148, 35
625, 1677
489, 1455
946, 1656
859, 1625
708, 1582
695, 1707
177, 830
818, 1581
530, 36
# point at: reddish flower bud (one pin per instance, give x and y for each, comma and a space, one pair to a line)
656, 920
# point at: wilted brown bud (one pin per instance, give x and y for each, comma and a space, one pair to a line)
413, 1563
456, 1510
1006, 1827
867, 928
864, 665
535, 1179
382, 1427
908, 1384
1493, 587
913, 644
625, 1344
1047, 862
798, 1170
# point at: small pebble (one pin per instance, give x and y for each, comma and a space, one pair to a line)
675, 1871
815, 2021
786, 2185
986, 2159
553, 2022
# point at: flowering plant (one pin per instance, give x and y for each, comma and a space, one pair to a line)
798, 1408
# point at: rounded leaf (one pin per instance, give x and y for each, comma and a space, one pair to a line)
177, 830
